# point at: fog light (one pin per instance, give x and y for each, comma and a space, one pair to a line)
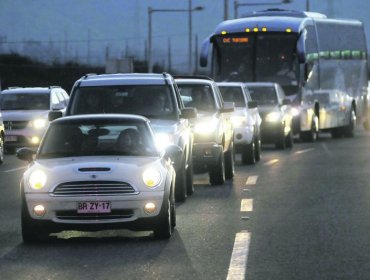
35, 140
39, 210
150, 208
239, 136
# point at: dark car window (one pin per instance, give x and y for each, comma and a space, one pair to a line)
263, 95
151, 101
233, 94
24, 101
197, 96
87, 139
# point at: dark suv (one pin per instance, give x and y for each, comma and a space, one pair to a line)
154, 96
213, 148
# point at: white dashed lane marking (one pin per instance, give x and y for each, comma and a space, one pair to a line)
252, 180
246, 205
304, 151
271, 162
239, 257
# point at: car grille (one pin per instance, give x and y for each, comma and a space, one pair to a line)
114, 215
9, 125
81, 188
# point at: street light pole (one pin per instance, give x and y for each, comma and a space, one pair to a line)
307, 5
150, 12
237, 5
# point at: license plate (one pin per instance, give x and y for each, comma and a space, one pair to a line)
10, 138
93, 207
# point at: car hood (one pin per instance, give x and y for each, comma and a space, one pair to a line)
163, 126
102, 168
24, 115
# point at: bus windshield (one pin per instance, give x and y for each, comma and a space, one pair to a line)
258, 57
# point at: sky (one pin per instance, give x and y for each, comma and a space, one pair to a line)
90, 30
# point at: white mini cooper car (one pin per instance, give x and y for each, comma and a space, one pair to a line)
95, 172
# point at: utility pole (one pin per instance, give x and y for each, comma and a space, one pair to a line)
307, 5
226, 9
190, 37
169, 56
196, 54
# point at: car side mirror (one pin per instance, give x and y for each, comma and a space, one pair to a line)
189, 113
25, 154
228, 107
53, 115
58, 106
173, 152
252, 104
287, 102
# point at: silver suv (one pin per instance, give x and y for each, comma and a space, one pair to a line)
154, 96
2, 137
213, 148
25, 113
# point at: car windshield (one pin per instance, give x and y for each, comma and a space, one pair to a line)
152, 101
197, 96
24, 101
233, 94
263, 95
97, 138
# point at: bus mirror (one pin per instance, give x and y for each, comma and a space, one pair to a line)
204, 52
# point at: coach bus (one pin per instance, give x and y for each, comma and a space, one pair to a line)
320, 63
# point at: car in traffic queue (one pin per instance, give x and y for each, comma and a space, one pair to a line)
275, 111
95, 172
2, 139
213, 149
246, 121
25, 113
154, 96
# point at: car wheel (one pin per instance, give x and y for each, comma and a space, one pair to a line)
289, 140
189, 178
1, 150
32, 230
164, 227
217, 172
249, 153
181, 188
257, 152
229, 163
311, 135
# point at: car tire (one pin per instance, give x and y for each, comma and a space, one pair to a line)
349, 130
32, 230
189, 178
257, 152
249, 153
1, 150
181, 185
217, 172
289, 140
165, 223
311, 135
229, 163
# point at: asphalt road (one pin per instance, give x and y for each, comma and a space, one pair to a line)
297, 214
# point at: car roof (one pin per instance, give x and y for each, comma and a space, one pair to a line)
125, 79
27, 90
261, 84
101, 117
230, 84
194, 81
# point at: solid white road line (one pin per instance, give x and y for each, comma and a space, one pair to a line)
304, 151
246, 205
15, 169
239, 257
271, 162
252, 180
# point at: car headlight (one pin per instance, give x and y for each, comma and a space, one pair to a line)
38, 123
206, 127
238, 121
37, 179
295, 111
151, 177
273, 117
162, 140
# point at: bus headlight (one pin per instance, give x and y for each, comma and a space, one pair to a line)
273, 117
151, 177
37, 179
